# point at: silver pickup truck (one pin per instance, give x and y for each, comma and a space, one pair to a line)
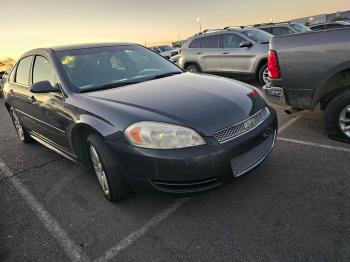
311, 69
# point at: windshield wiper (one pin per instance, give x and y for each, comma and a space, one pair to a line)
166, 75
108, 86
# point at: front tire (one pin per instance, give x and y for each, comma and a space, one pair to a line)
263, 75
193, 68
21, 132
337, 117
107, 169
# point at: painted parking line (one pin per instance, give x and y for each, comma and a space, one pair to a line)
336, 148
134, 236
72, 250
288, 124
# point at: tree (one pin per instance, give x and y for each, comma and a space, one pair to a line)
339, 18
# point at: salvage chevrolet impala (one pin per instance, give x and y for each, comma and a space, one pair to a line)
140, 121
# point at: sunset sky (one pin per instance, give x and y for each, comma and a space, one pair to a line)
36, 23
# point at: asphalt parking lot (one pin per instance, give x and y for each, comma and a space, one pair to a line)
294, 207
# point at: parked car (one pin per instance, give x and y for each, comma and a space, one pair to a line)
175, 59
329, 25
2, 81
308, 70
143, 124
229, 50
280, 29
165, 50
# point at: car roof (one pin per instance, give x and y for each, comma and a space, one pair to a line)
330, 23
73, 47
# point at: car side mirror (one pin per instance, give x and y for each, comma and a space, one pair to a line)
245, 44
44, 87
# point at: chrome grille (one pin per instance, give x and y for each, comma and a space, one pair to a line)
243, 127
253, 157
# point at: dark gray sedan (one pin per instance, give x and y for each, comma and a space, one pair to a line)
139, 120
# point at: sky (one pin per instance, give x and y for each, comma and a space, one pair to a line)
31, 24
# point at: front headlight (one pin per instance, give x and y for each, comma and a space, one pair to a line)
158, 135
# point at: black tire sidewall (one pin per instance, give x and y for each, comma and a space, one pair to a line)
332, 115
118, 188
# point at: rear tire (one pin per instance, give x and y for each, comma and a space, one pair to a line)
21, 131
337, 117
263, 75
107, 169
193, 68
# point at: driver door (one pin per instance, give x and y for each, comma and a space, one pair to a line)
52, 117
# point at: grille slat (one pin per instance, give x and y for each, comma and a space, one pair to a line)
248, 160
243, 127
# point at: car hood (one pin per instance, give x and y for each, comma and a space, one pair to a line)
204, 103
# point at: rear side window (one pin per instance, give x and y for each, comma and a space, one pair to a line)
23, 70
231, 40
211, 41
196, 43
42, 71
279, 31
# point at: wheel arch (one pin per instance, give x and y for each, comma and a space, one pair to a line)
81, 130
262, 62
336, 84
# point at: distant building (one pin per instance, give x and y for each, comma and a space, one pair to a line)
322, 18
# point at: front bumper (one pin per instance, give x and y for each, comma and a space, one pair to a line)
194, 169
275, 95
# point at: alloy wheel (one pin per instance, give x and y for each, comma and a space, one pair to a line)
344, 121
18, 125
265, 76
192, 70
99, 171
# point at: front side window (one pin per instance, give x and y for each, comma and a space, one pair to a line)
42, 70
232, 40
318, 27
23, 70
196, 43
165, 48
99, 68
211, 41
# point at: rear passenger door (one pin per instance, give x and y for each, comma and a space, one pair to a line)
209, 53
236, 59
19, 95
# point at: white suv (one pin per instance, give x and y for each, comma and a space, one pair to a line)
241, 50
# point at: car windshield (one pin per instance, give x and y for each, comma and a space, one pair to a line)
258, 36
92, 69
165, 48
300, 28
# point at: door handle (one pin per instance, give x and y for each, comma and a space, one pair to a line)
32, 99
198, 53
225, 53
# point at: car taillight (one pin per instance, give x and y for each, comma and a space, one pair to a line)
272, 65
